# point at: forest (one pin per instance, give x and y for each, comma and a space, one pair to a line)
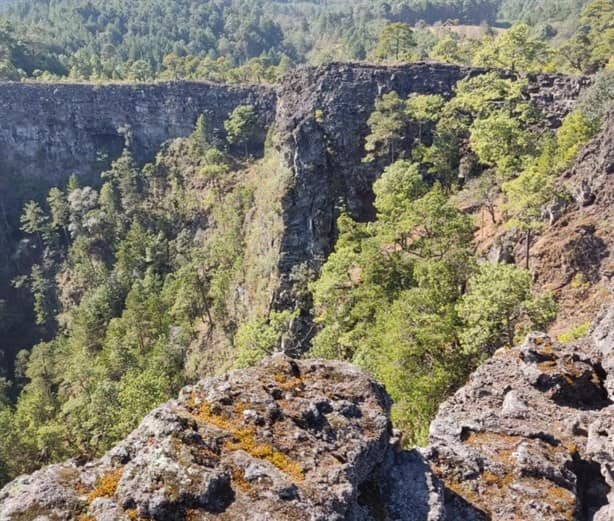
257, 41
149, 277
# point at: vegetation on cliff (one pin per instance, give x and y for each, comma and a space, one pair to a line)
403, 296
156, 275
130, 280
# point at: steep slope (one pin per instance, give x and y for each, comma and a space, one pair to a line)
575, 256
529, 437
322, 116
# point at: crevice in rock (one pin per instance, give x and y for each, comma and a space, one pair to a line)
371, 497
585, 392
592, 489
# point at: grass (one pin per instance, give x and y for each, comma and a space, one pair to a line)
575, 333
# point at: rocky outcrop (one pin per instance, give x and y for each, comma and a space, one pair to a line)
530, 436
322, 118
288, 440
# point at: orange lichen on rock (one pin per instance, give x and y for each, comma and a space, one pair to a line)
192, 515
502, 444
244, 438
238, 478
107, 485
288, 383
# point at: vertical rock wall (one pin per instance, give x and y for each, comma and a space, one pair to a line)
49, 131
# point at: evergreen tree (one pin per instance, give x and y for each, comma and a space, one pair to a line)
396, 43
387, 123
514, 49
498, 306
242, 126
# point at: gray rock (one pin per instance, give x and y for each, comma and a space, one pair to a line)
203, 457
311, 440
514, 406
530, 435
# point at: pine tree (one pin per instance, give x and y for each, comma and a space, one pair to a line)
396, 43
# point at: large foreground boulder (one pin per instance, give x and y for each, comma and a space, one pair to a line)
288, 440
530, 436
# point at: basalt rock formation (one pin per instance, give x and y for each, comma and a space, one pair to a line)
50, 131
322, 117
530, 436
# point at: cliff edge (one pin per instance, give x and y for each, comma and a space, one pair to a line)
530, 436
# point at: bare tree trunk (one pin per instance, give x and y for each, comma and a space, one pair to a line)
528, 249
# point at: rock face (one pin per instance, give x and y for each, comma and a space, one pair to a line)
286, 441
531, 436
322, 117
50, 131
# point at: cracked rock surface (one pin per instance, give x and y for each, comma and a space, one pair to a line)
287, 440
531, 434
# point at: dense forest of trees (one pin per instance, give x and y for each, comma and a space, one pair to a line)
153, 276
246, 40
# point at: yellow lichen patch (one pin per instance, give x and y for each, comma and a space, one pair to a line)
501, 481
244, 438
238, 478
571, 446
502, 444
463, 490
547, 367
86, 517
205, 414
562, 500
287, 383
240, 408
107, 485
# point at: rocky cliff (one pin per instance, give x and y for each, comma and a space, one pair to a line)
50, 131
322, 117
530, 436
573, 256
